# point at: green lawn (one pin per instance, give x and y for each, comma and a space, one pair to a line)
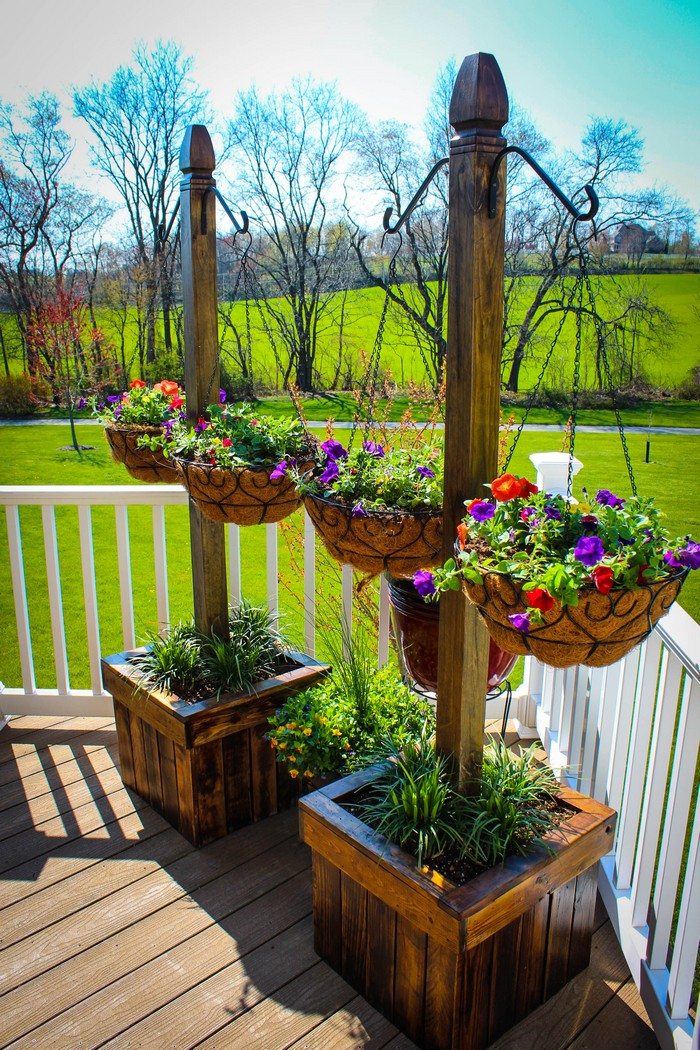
678, 294
32, 455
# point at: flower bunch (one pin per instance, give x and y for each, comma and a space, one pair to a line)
557, 550
233, 436
375, 478
143, 405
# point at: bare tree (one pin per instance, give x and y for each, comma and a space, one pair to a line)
45, 222
138, 119
289, 151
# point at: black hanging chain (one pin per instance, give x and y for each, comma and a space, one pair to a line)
535, 390
241, 266
600, 336
368, 392
576, 385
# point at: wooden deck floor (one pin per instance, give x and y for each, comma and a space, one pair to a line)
115, 932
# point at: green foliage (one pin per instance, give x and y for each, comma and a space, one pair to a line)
142, 404
236, 436
557, 550
342, 723
193, 664
415, 804
372, 478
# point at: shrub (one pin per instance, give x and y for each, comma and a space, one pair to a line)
20, 395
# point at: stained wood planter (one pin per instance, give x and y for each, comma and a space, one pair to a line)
206, 767
454, 967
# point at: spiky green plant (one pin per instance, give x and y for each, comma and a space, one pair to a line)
171, 663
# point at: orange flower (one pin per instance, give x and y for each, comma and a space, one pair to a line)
462, 535
506, 487
509, 487
136, 384
168, 387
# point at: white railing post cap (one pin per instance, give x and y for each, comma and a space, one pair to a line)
553, 471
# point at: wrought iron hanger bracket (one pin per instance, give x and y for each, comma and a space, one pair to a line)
579, 216
234, 221
415, 200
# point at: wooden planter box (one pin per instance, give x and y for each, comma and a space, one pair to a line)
453, 967
206, 767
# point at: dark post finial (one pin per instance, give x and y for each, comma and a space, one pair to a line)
197, 151
479, 99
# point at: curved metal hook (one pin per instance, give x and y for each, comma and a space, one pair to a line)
164, 233
579, 216
414, 200
234, 221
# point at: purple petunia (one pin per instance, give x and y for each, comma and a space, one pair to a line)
553, 513
81, 403
481, 510
113, 398
373, 449
425, 472
526, 513
358, 511
688, 557
334, 450
521, 621
606, 498
279, 471
222, 396
424, 582
589, 550
330, 473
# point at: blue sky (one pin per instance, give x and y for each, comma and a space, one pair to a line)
634, 59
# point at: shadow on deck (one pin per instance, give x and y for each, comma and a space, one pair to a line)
115, 931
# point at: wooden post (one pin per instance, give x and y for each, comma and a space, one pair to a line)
478, 111
198, 249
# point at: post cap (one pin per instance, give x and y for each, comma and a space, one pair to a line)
479, 97
197, 151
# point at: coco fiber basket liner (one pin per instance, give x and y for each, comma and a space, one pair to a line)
141, 463
598, 631
399, 542
244, 496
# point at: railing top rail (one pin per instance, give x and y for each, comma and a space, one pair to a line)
681, 635
90, 495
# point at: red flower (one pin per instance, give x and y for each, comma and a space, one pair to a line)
527, 488
641, 578
226, 442
462, 535
509, 487
603, 579
176, 402
539, 598
136, 384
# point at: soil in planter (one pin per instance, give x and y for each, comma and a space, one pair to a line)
450, 864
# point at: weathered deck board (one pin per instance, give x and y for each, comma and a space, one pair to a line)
115, 931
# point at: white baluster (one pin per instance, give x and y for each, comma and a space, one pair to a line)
273, 603
607, 715
53, 579
383, 642
87, 561
19, 591
309, 585
234, 563
126, 594
685, 949
346, 616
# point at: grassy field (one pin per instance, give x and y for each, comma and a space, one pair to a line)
678, 294
33, 455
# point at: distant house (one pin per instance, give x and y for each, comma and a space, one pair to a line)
632, 239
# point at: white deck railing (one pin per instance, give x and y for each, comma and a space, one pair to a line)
31, 697
627, 734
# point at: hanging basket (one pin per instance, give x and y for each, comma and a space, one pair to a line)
142, 463
399, 542
242, 496
598, 631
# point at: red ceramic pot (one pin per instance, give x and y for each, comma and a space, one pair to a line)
416, 625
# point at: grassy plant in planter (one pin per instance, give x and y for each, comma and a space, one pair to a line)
191, 713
